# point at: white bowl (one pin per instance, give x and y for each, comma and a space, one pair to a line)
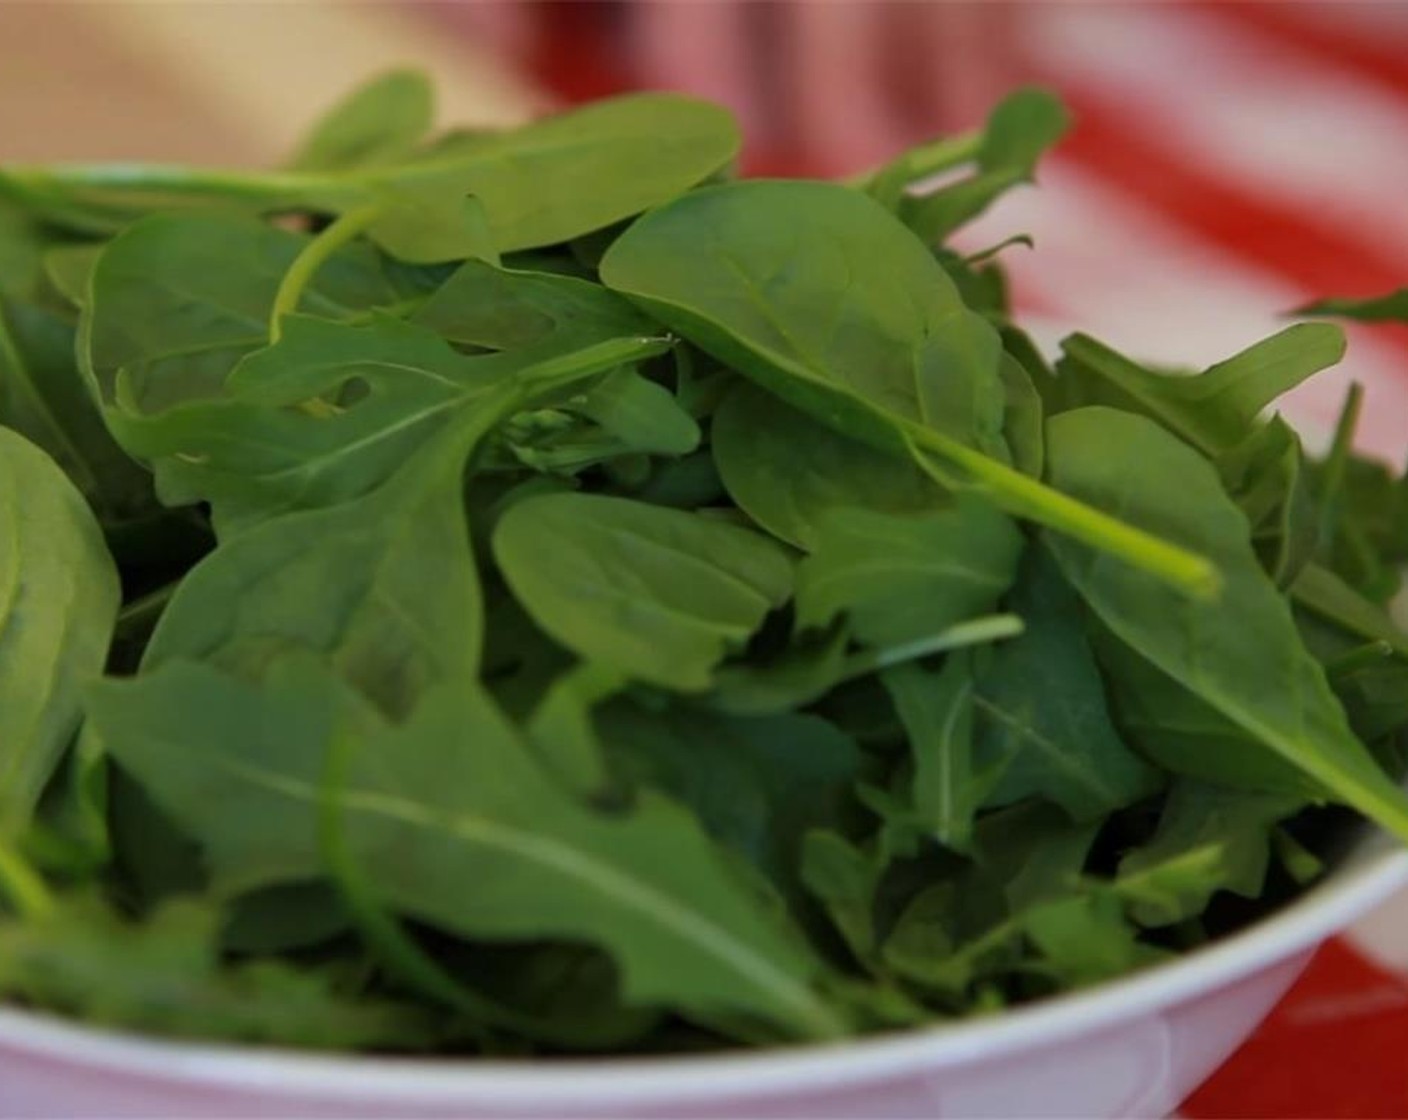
1134, 1047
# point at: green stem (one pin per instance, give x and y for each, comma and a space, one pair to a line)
22, 885
314, 255
977, 631
929, 159
1332, 478
1025, 497
271, 187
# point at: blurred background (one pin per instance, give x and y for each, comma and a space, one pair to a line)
1230, 162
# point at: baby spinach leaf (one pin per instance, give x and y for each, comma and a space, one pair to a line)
1241, 655
898, 578
178, 299
502, 309
1214, 410
548, 182
1041, 709
658, 594
826, 300
380, 122
1181, 732
44, 398
455, 797
643, 415
785, 470
59, 598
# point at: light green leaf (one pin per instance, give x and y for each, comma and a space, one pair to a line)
59, 597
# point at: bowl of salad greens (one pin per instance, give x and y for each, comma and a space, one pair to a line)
529, 622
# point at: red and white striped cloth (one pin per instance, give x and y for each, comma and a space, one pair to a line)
1230, 162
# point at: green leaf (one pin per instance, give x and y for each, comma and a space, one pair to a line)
937, 712
1319, 590
1018, 132
1214, 410
899, 578
380, 122
658, 594
253, 455
503, 309
757, 785
178, 299
644, 416
59, 597
1390, 308
1209, 840
383, 589
1042, 714
165, 976
1266, 475
844, 880
826, 300
44, 398
1178, 730
455, 797
786, 470
1241, 655
548, 182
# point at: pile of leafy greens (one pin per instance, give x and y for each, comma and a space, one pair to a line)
531, 592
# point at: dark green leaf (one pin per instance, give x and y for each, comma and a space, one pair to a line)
1241, 655
900, 578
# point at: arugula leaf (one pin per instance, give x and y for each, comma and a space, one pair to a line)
1389, 308
1041, 710
1019, 130
383, 588
59, 598
252, 454
657, 594
757, 785
1242, 655
948, 787
454, 796
165, 976
1209, 840
1214, 410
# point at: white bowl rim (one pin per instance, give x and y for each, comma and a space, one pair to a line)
1376, 870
